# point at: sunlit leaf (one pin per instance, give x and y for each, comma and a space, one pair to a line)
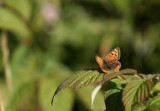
137, 90
139, 107
94, 93
154, 104
18, 5
85, 96
119, 73
87, 77
156, 87
80, 79
64, 101
11, 22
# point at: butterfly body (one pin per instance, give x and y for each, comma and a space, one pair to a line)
110, 61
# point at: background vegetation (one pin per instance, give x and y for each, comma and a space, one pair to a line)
50, 39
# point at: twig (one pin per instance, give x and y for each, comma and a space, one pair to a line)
5, 53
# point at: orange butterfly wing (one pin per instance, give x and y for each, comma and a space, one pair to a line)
114, 66
100, 62
110, 62
118, 67
113, 55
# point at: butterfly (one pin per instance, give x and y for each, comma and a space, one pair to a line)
110, 61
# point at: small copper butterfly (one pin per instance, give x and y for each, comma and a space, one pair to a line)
110, 61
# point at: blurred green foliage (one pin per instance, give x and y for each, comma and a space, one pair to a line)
50, 39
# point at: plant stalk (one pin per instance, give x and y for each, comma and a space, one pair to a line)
5, 55
1, 104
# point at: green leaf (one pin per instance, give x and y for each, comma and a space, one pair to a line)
119, 73
154, 104
85, 96
119, 82
88, 77
18, 56
137, 90
156, 87
139, 107
64, 101
10, 22
80, 79
113, 95
113, 100
18, 5
23, 94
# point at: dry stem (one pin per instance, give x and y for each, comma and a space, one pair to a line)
5, 53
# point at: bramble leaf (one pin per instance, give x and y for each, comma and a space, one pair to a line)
80, 79
137, 90
154, 104
139, 107
119, 73
88, 77
113, 95
156, 88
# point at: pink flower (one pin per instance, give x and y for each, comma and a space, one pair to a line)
50, 13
